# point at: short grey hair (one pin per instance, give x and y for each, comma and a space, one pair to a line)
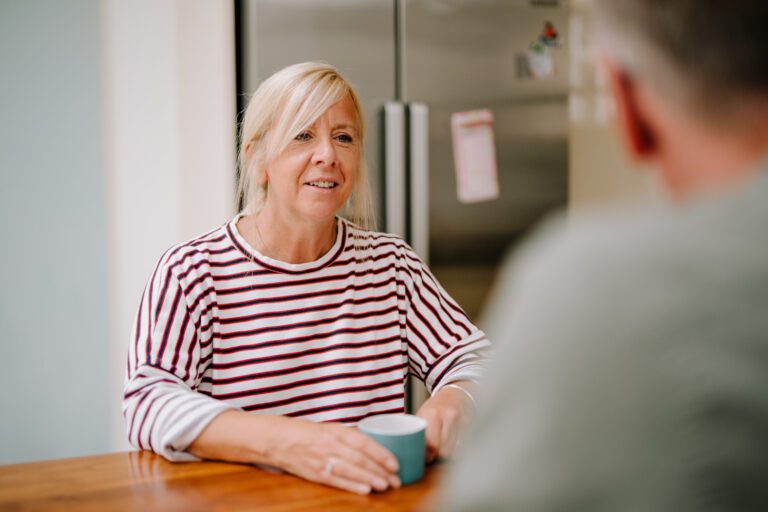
285, 104
712, 54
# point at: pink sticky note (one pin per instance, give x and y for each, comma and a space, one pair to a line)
474, 154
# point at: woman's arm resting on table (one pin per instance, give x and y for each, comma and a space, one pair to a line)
300, 447
447, 412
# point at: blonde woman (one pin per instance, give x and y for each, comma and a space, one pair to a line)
266, 339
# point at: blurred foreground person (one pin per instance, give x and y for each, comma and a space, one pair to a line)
632, 364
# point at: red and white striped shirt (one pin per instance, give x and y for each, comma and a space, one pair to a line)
221, 326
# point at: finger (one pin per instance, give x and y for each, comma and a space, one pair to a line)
371, 449
347, 485
448, 436
351, 471
433, 434
365, 462
314, 472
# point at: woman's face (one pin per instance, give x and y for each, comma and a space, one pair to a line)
314, 176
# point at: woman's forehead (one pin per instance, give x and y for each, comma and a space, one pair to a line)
341, 114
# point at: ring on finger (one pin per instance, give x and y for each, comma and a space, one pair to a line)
329, 464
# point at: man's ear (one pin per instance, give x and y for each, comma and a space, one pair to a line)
635, 131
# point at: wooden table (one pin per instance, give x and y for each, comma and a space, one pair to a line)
146, 482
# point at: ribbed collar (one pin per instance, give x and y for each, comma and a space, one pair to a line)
288, 268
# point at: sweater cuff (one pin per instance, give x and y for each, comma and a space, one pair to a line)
186, 424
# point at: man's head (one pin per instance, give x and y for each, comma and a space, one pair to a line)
690, 78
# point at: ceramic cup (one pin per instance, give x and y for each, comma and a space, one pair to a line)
403, 435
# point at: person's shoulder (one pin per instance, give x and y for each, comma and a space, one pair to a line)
663, 239
604, 239
197, 251
616, 262
363, 238
590, 257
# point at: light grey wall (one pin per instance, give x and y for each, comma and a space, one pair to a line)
54, 349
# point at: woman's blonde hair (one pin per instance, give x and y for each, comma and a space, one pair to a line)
283, 106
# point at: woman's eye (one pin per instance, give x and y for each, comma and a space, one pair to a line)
303, 136
343, 137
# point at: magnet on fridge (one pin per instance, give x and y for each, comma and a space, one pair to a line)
474, 155
549, 35
538, 61
541, 62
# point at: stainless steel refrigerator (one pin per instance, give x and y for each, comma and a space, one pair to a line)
414, 63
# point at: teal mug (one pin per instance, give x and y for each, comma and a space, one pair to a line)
403, 435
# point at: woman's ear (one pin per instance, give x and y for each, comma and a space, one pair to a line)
262, 177
634, 129
261, 172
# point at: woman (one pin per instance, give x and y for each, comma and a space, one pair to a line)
265, 339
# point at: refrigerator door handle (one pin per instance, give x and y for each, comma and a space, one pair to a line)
418, 114
394, 168
419, 167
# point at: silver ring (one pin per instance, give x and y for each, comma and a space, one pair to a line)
329, 465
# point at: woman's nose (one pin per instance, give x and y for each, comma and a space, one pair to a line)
325, 152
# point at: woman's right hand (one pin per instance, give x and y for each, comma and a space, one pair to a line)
327, 453
335, 455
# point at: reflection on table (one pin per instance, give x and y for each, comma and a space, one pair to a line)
144, 481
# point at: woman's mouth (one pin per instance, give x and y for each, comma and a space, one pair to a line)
322, 184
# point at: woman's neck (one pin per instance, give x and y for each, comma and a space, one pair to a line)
289, 241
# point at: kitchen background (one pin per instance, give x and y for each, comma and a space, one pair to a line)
117, 140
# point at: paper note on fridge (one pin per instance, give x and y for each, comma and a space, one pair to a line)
474, 154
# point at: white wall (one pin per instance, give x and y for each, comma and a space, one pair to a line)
169, 88
117, 140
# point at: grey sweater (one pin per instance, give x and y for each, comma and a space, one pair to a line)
631, 366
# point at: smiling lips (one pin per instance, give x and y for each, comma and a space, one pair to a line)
322, 184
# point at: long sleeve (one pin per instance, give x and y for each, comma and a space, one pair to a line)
163, 411
443, 344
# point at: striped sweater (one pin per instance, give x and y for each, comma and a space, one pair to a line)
221, 326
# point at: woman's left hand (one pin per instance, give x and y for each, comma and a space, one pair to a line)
447, 412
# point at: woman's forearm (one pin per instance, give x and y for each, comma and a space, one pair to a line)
238, 436
328, 453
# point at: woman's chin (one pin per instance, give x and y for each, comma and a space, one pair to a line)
320, 215
322, 211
